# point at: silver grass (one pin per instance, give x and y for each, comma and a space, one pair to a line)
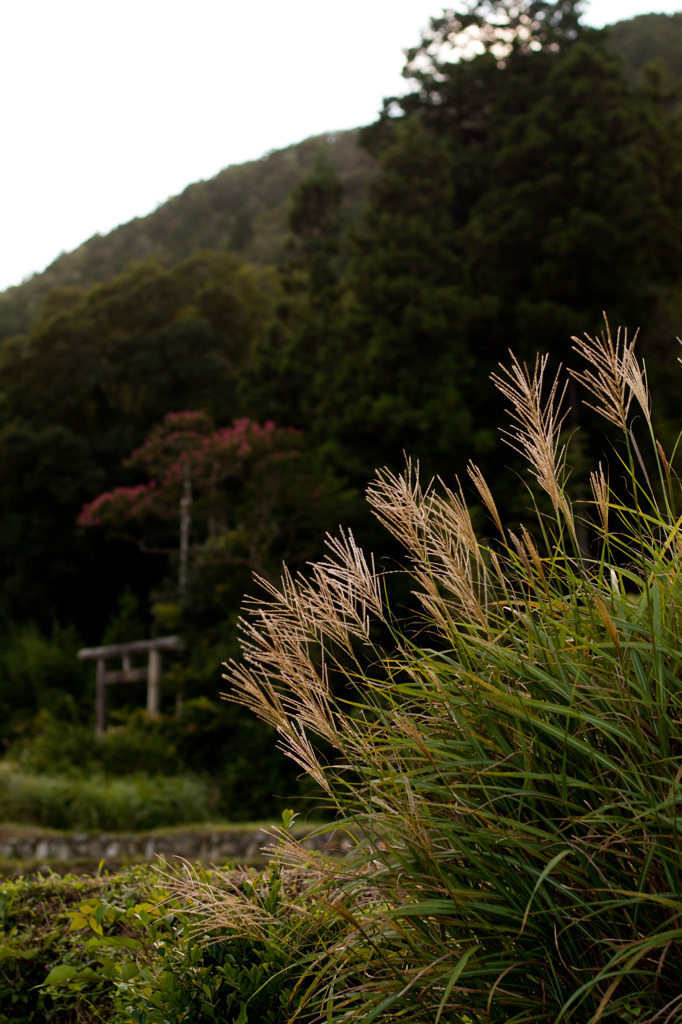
600, 493
536, 426
615, 377
486, 495
440, 538
497, 782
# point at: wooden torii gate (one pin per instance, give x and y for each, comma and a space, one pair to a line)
127, 673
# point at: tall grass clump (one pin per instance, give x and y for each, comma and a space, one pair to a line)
510, 763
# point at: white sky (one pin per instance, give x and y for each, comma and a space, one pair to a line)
108, 108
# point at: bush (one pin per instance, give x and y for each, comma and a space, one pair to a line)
132, 803
104, 949
241, 956
68, 946
139, 744
245, 777
38, 673
512, 757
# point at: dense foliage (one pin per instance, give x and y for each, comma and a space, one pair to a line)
121, 950
36, 917
527, 180
647, 37
207, 762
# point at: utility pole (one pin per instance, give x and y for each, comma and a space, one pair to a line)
185, 523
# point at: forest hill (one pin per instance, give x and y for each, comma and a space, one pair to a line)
517, 195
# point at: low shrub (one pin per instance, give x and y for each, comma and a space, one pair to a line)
246, 778
137, 744
101, 803
512, 757
66, 953
237, 953
119, 950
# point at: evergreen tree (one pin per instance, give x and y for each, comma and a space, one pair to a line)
316, 224
407, 329
293, 358
525, 186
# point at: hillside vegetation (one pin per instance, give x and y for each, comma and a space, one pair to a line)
244, 210
648, 37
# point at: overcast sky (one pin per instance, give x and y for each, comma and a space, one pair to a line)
108, 108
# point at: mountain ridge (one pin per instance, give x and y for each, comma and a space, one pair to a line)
244, 208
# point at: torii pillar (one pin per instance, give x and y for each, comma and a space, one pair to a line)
127, 674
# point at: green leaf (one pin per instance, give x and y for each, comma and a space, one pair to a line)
60, 974
101, 912
128, 971
288, 817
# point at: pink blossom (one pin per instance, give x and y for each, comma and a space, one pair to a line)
182, 447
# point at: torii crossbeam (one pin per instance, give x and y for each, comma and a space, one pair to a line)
128, 674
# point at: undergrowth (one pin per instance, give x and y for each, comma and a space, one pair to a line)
104, 803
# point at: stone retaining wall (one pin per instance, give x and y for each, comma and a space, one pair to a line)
209, 846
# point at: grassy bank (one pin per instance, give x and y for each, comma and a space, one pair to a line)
104, 803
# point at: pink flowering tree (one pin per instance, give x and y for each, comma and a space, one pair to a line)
221, 487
